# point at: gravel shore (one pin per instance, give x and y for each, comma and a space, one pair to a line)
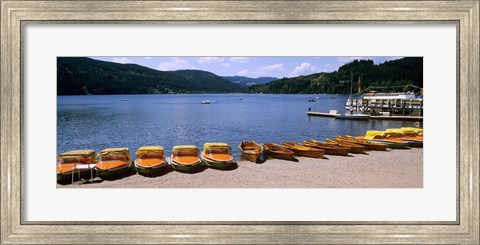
392, 169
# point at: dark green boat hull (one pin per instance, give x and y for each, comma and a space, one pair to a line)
218, 165
393, 145
108, 174
415, 143
66, 178
187, 168
152, 171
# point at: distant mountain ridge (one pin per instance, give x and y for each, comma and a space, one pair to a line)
80, 76
248, 81
390, 76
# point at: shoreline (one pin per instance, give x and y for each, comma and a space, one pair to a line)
376, 169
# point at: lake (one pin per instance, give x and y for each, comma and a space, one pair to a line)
98, 122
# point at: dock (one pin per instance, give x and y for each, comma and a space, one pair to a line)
322, 114
398, 118
366, 117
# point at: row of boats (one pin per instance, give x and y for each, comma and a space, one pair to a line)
112, 162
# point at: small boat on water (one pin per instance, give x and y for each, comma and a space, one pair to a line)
205, 102
75, 165
312, 100
217, 155
185, 158
354, 148
150, 160
113, 162
304, 151
252, 151
278, 151
367, 144
330, 149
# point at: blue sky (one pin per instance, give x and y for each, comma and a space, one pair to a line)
256, 66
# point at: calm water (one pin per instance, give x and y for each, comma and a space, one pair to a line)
98, 122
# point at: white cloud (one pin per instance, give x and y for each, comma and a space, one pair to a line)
175, 64
121, 60
243, 73
268, 70
226, 64
348, 59
147, 58
209, 59
240, 59
305, 69
275, 67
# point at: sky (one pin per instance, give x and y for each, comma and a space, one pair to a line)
254, 66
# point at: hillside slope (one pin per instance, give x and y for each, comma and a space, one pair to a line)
391, 76
80, 75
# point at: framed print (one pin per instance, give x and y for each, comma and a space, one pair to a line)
239, 122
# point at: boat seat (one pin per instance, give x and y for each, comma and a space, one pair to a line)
149, 162
185, 160
110, 164
220, 157
63, 168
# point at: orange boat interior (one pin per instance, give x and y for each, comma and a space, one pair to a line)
65, 168
221, 157
219, 154
185, 159
149, 162
111, 164
67, 165
112, 161
150, 159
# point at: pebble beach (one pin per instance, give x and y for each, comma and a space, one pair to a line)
375, 169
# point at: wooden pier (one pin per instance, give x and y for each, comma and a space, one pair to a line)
393, 118
397, 118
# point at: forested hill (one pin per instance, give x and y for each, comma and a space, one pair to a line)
248, 81
80, 76
391, 76
208, 81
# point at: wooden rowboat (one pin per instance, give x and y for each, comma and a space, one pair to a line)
304, 151
391, 143
330, 149
354, 148
278, 151
367, 144
252, 151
